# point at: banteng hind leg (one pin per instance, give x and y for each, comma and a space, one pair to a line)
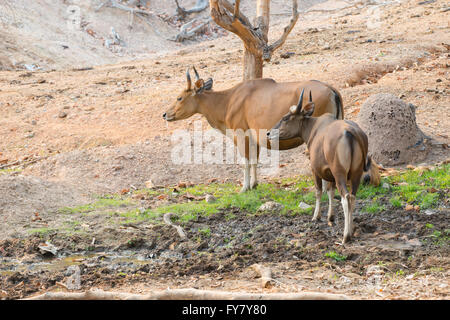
318, 184
347, 201
330, 191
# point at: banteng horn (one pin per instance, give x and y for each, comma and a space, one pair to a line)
196, 73
189, 82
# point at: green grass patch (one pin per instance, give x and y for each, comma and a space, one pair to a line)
288, 192
335, 256
101, 204
374, 207
41, 232
205, 232
438, 237
417, 189
409, 187
420, 187
370, 192
396, 202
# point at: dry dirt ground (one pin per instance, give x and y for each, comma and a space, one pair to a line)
79, 133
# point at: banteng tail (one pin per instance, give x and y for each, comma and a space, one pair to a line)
339, 104
362, 141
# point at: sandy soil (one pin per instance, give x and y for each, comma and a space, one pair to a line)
79, 133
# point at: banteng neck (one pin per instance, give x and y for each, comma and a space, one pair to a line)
213, 106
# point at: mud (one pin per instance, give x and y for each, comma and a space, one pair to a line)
395, 242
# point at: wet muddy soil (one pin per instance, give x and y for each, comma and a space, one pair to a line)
388, 248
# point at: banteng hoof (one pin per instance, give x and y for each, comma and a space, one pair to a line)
244, 189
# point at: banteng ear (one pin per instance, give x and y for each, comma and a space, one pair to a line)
308, 110
208, 84
199, 85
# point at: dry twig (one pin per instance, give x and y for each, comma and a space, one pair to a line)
180, 231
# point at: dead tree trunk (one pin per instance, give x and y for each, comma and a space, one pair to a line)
255, 38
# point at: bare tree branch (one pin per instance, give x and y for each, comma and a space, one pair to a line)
114, 4
274, 46
230, 18
236, 8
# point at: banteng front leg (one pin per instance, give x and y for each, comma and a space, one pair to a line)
253, 176
246, 183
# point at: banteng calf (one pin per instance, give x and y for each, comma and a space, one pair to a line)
337, 151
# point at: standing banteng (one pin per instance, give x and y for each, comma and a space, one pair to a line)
337, 151
254, 104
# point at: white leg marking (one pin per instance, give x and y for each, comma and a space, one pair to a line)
330, 214
347, 226
317, 209
253, 176
246, 184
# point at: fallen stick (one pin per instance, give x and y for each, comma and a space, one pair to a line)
21, 163
199, 7
114, 4
265, 274
184, 34
180, 231
186, 294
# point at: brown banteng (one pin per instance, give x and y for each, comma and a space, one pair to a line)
254, 104
337, 152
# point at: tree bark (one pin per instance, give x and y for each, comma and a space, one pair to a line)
253, 63
263, 18
253, 66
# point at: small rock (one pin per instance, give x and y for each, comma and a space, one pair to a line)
429, 212
271, 206
386, 186
30, 135
73, 282
48, 247
210, 198
304, 206
149, 184
62, 114
286, 55
414, 242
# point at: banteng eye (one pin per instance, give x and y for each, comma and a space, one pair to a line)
179, 98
